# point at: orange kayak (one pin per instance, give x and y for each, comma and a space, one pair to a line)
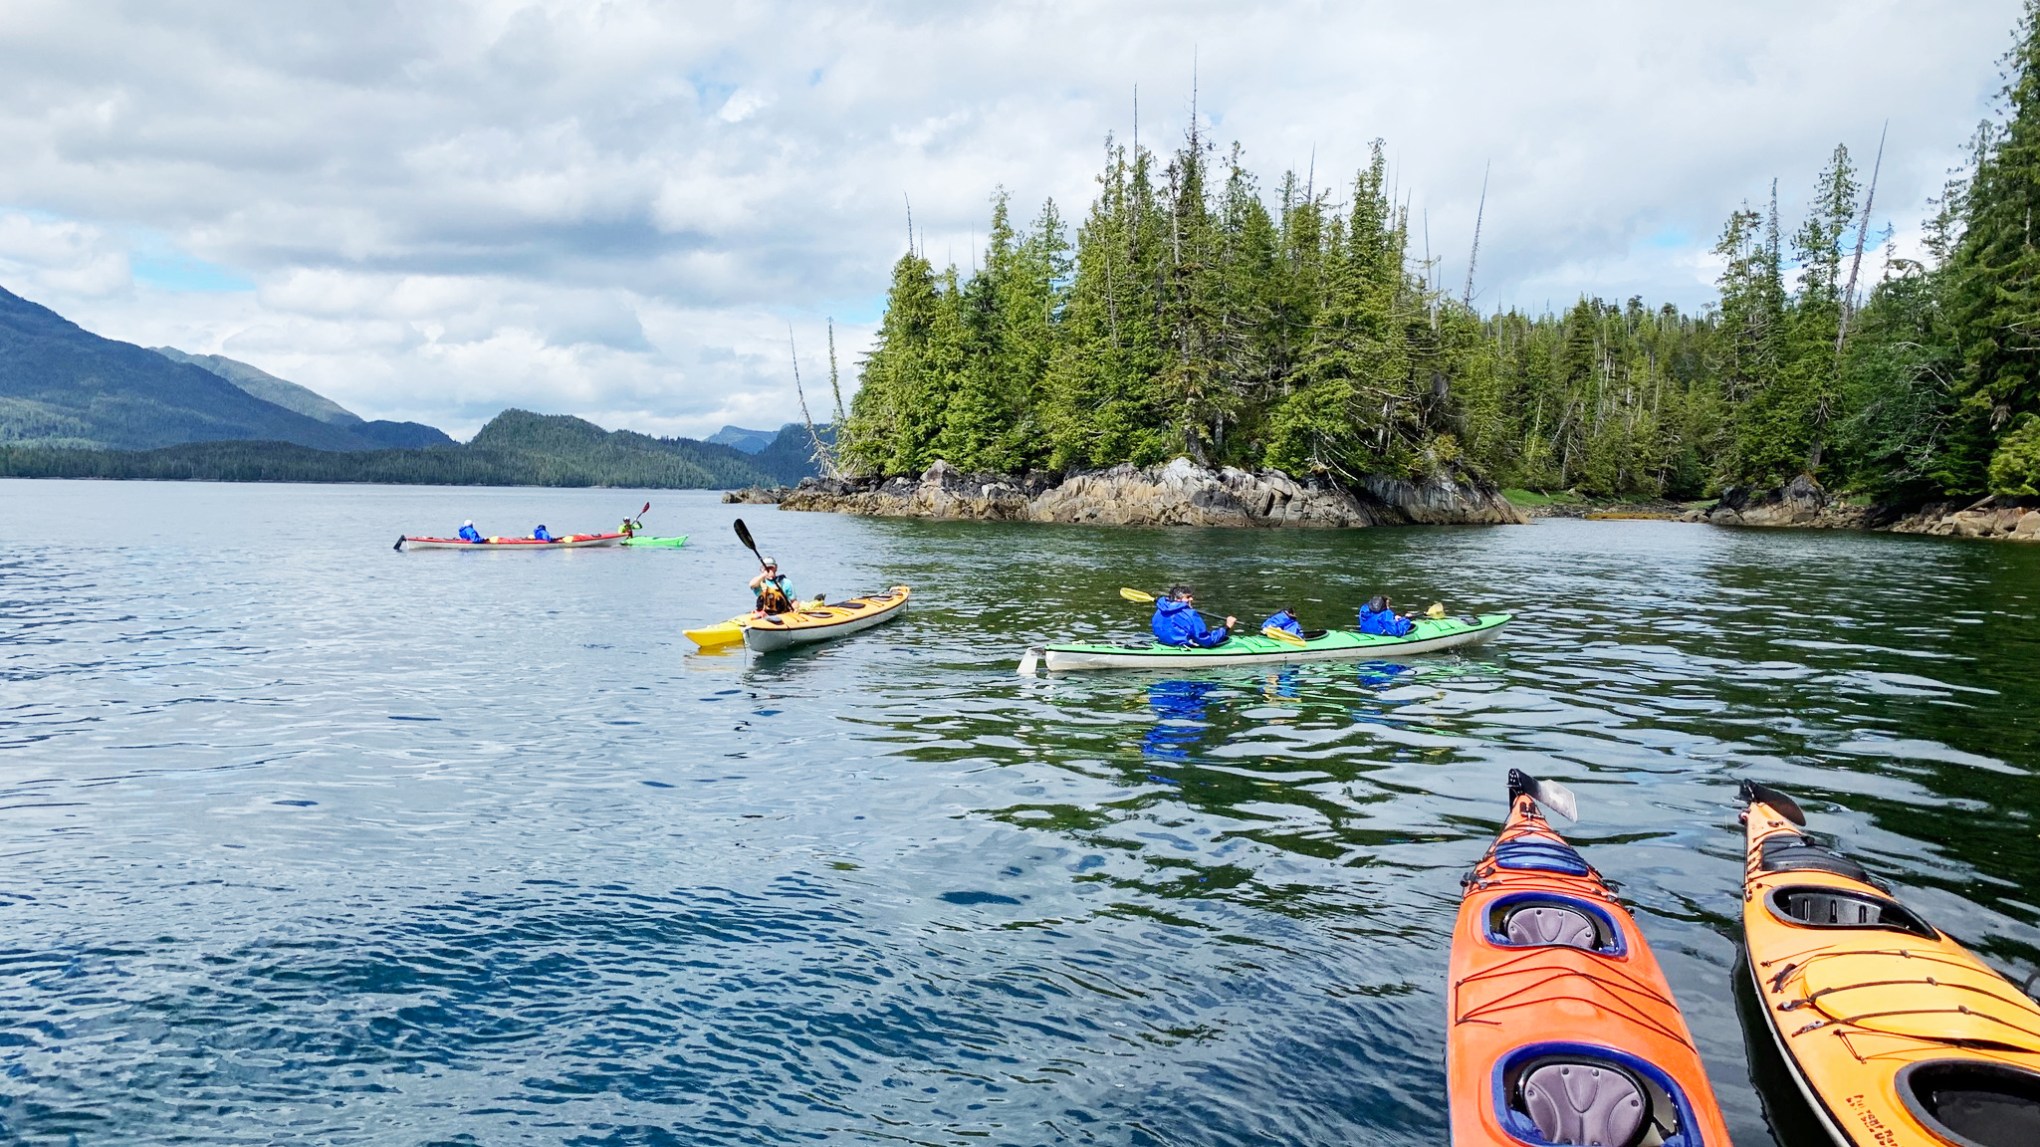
1562, 1029
1896, 1035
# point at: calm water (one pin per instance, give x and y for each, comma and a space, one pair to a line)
302, 840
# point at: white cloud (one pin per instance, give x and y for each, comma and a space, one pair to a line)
614, 209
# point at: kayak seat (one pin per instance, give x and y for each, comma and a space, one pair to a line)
1314, 634
1790, 852
1966, 1101
1816, 907
1585, 1104
1551, 926
1541, 856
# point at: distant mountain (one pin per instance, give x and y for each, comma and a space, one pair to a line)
310, 403
738, 438
516, 448
267, 386
791, 454
61, 385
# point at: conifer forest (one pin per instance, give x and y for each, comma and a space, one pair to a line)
1195, 312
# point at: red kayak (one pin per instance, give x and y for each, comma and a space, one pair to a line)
563, 542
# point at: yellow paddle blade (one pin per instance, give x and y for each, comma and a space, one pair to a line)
1437, 609
1284, 636
1135, 595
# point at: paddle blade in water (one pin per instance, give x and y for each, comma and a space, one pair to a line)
1550, 794
1028, 661
399, 547
1135, 595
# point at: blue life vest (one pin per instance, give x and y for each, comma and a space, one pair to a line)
1384, 623
1284, 621
1176, 623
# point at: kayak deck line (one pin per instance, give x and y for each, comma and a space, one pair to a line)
1430, 635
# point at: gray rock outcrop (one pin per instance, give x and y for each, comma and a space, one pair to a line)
1178, 494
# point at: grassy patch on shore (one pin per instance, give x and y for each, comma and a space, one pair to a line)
1526, 499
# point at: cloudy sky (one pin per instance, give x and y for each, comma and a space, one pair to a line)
617, 209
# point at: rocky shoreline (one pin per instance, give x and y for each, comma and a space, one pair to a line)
1178, 494
1803, 504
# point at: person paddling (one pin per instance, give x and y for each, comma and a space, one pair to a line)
540, 534
1284, 619
770, 590
1379, 617
468, 533
1176, 622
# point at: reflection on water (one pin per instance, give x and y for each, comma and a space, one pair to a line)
423, 848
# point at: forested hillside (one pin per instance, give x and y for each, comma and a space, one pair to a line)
1192, 314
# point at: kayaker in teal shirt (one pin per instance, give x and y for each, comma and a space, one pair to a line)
771, 591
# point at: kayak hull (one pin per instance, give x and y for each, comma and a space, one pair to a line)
563, 542
1429, 636
1550, 981
640, 541
825, 622
1877, 1013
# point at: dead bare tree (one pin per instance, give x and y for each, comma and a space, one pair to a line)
822, 455
1862, 234
1473, 257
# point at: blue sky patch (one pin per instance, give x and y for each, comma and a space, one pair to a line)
175, 272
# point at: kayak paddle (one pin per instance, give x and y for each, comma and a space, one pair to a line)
1028, 661
744, 536
1550, 794
638, 523
399, 547
1281, 635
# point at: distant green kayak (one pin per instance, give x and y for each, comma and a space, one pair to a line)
1429, 636
648, 542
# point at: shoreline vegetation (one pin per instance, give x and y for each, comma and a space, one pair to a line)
1193, 317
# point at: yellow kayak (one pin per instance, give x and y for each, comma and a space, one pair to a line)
730, 632
823, 622
1895, 1033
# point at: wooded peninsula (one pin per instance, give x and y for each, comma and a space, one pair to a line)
1192, 316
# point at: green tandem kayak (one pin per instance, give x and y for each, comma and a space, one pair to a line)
648, 542
1430, 636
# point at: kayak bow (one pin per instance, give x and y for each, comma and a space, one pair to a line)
1562, 1029
1896, 1035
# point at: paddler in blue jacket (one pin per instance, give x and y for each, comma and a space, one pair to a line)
1176, 623
468, 533
540, 535
1285, 620
1379, 617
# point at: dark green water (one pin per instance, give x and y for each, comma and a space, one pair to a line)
307, 840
